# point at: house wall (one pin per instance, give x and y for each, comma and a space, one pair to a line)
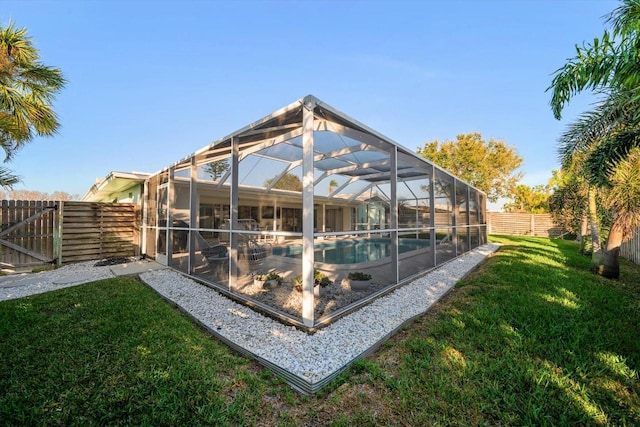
180, 204
132, 195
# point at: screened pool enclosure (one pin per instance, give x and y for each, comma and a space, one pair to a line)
311, 195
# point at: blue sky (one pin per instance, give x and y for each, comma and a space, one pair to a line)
150, 82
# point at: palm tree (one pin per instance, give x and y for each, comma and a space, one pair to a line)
598, 144
27, 89
607, 136
623, 198
597, 255
332, 185
574, 205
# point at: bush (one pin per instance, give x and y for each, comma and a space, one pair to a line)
358, 275
269, 276
319, 279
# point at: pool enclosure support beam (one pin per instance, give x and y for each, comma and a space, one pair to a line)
394, 212
145, 217
282, 174
170, 204
233, 212
469, 216
307, 215
454, 216
432, 217
324, 217
193, 214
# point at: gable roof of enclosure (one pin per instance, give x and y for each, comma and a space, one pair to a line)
357, 154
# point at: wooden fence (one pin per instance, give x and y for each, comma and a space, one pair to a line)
40, 232
630, 249
98, 230
29, 233
522, 224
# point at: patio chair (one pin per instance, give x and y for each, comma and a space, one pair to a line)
216, 251
252, 253
210, 251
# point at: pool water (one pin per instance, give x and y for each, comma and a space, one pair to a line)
352, 251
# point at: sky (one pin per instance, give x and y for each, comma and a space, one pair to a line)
150, 82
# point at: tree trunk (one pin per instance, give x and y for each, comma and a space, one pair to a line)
611, 260
582, 234
596, 248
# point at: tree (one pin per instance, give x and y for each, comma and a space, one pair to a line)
529, 199
487, 165
568, 203
332, 185
573, 206
62, 195
608, 135
289, 182
27, 90
567, 207
623, 199
217, 169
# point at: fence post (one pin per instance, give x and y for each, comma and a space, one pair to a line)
57, 234
532, 224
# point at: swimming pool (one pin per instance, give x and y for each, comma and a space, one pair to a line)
352, 251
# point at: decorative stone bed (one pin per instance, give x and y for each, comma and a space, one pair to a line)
310, 361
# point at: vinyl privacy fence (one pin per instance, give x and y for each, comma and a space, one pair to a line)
542, 225
630, 249
522, 224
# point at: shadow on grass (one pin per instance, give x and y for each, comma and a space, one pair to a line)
525, 340
113, 353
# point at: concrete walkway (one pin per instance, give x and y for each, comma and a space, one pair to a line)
135, 268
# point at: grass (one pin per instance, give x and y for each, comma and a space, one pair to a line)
112, 352
530, 338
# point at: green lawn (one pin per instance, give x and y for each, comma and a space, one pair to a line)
530, 338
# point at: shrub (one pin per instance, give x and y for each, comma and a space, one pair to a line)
359, 275
319, 279
269, 276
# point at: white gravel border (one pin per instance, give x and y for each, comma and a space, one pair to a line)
313, 358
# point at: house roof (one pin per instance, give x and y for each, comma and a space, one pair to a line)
114, 183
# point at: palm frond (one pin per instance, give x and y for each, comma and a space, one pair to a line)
611, 62
15, 43
8, 179
625, 19
603, 160
592, 67
48, 77
613, 113
27, 89
624, 195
